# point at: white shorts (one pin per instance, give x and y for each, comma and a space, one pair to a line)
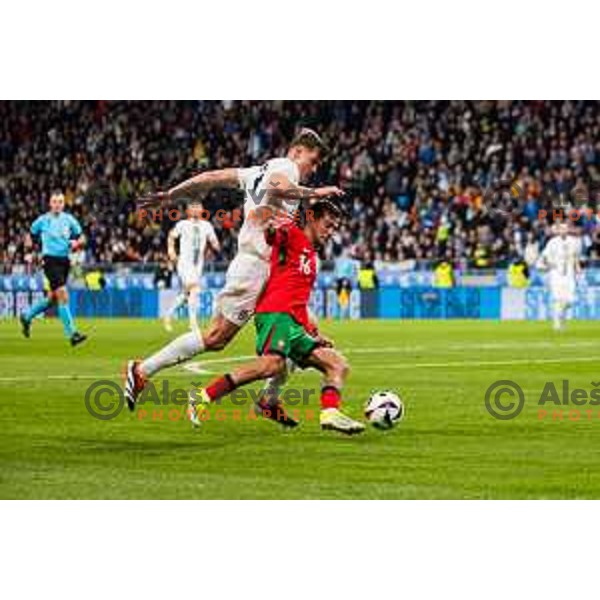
245, 279
189, 273
563, 289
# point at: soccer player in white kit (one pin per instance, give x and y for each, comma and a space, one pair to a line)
275, 184
561, 258
195, 236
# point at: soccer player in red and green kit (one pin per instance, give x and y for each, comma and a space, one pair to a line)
283, 328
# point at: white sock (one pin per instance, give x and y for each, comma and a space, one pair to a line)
557, 314
193, 312
179, 350
179, 301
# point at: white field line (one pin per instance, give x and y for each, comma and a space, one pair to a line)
73, 377
200, 368
476, 346
489, 363
197, 367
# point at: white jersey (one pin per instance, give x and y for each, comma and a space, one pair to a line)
253, 181
562, 257
193, 236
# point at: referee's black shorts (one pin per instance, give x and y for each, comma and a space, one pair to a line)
56, 270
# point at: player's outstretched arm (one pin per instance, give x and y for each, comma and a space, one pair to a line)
171, 253
190, 188
280, 187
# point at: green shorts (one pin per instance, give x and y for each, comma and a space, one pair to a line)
278, 333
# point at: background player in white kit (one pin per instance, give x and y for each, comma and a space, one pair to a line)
273, 184
561, 258
196, 235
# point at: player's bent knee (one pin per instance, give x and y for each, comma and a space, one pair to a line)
60, 295
341, 367
272, 364
214, 340
219, 334
345, 367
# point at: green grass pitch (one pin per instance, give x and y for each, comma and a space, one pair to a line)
448, 446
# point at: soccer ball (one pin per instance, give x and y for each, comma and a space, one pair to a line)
384, 409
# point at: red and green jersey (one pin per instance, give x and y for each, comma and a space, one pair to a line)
292, 276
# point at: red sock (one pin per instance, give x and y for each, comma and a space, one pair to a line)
220, 387
330, 397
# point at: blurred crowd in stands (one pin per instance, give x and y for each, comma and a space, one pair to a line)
462, 181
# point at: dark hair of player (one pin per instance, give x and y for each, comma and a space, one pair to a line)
326, 206
308, 138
